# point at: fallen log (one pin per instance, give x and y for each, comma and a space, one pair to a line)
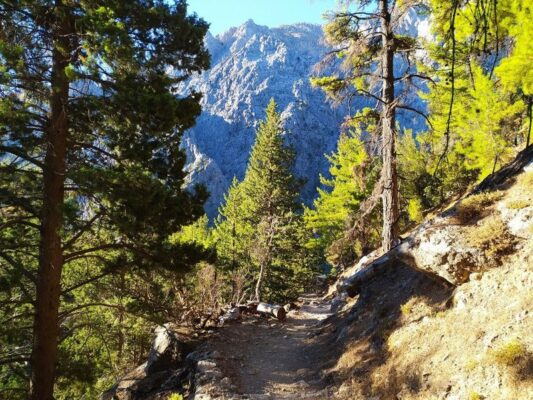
272, 310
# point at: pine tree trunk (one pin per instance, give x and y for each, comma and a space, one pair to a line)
390, 197
46, 328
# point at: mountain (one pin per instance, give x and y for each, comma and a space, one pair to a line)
250, 65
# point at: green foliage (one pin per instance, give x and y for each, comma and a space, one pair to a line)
474, 396
124, 180
340, 196
197, 233
514, 70
487, 121
260, 224
415, 210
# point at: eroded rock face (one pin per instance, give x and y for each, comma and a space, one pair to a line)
167, 350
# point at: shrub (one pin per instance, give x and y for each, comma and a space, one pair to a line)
474, 206
475, 396
491, 236
509, 352
414, 209
175, 396
406, 308
517, 204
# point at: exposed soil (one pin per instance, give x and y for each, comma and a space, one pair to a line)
272, 360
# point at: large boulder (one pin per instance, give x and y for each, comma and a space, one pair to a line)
439, 248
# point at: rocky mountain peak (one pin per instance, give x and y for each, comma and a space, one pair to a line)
250, 65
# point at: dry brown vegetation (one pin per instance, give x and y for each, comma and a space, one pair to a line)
492, 236
476, 206
509, 352
517, 204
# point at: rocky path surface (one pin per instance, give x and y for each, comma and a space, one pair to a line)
265, 359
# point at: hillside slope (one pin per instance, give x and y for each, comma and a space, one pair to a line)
407, 332
403, 337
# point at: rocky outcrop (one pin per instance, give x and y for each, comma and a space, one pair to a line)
440, 248
166, 371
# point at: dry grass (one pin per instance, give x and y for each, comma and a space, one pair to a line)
352, 356
517, 204
476, 205
525, 180
475, 396
491, 236
509, 352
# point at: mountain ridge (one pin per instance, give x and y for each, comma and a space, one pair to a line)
250, 65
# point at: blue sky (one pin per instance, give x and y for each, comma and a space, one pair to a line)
223, 14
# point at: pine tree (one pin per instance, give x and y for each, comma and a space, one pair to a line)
367, 39
477, 120
233, 235
260, 223
270, 193
340, 196
88, 111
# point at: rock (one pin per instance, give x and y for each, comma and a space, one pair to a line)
226, 382
206, 366
476, 276
164, 370
166, 352
216, 355
441, 252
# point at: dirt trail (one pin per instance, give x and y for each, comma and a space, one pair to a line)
268, 360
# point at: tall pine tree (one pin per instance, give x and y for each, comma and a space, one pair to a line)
366, 36
88, 111
261, 221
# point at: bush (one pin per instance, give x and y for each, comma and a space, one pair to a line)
414, 209
475, 396
474, 206
509, 352
406, 308
491, 236
175, 396
517, 204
